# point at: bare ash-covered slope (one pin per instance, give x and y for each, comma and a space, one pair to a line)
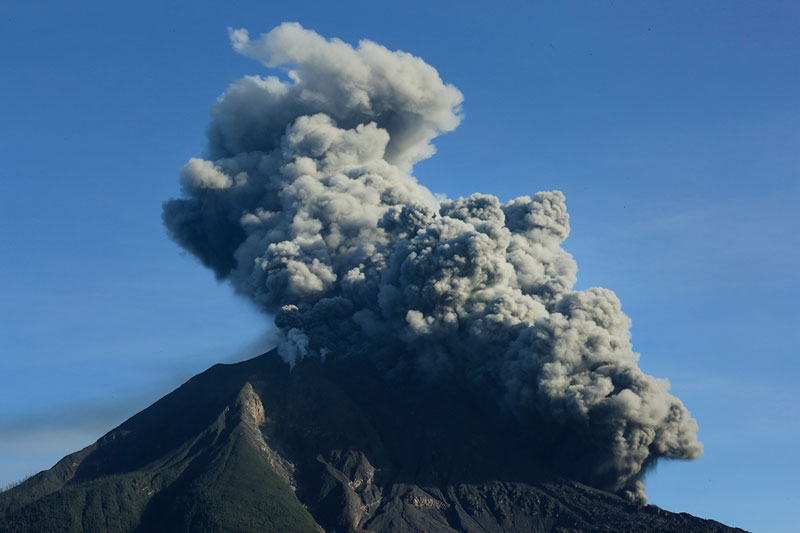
326, 446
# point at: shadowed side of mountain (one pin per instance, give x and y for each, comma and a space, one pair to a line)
328, 445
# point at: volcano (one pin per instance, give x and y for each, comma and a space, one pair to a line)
323, 446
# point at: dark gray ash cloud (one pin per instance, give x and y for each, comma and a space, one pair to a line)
305, 202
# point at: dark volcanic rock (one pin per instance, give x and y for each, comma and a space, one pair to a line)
328, 446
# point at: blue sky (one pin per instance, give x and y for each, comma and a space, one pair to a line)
672, 128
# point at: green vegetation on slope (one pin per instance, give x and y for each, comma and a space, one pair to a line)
113, 504
232, 489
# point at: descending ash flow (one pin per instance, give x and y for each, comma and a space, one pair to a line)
305, 202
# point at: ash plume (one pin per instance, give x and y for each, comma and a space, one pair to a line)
305, 202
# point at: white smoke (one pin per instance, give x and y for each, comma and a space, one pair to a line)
305, 202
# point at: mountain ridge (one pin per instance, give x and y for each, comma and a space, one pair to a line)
325, 446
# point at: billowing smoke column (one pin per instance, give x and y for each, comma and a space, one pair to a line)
305, 202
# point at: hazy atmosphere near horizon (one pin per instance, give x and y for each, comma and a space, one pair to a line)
673, 131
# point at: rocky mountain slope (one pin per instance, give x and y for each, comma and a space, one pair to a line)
325, 447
